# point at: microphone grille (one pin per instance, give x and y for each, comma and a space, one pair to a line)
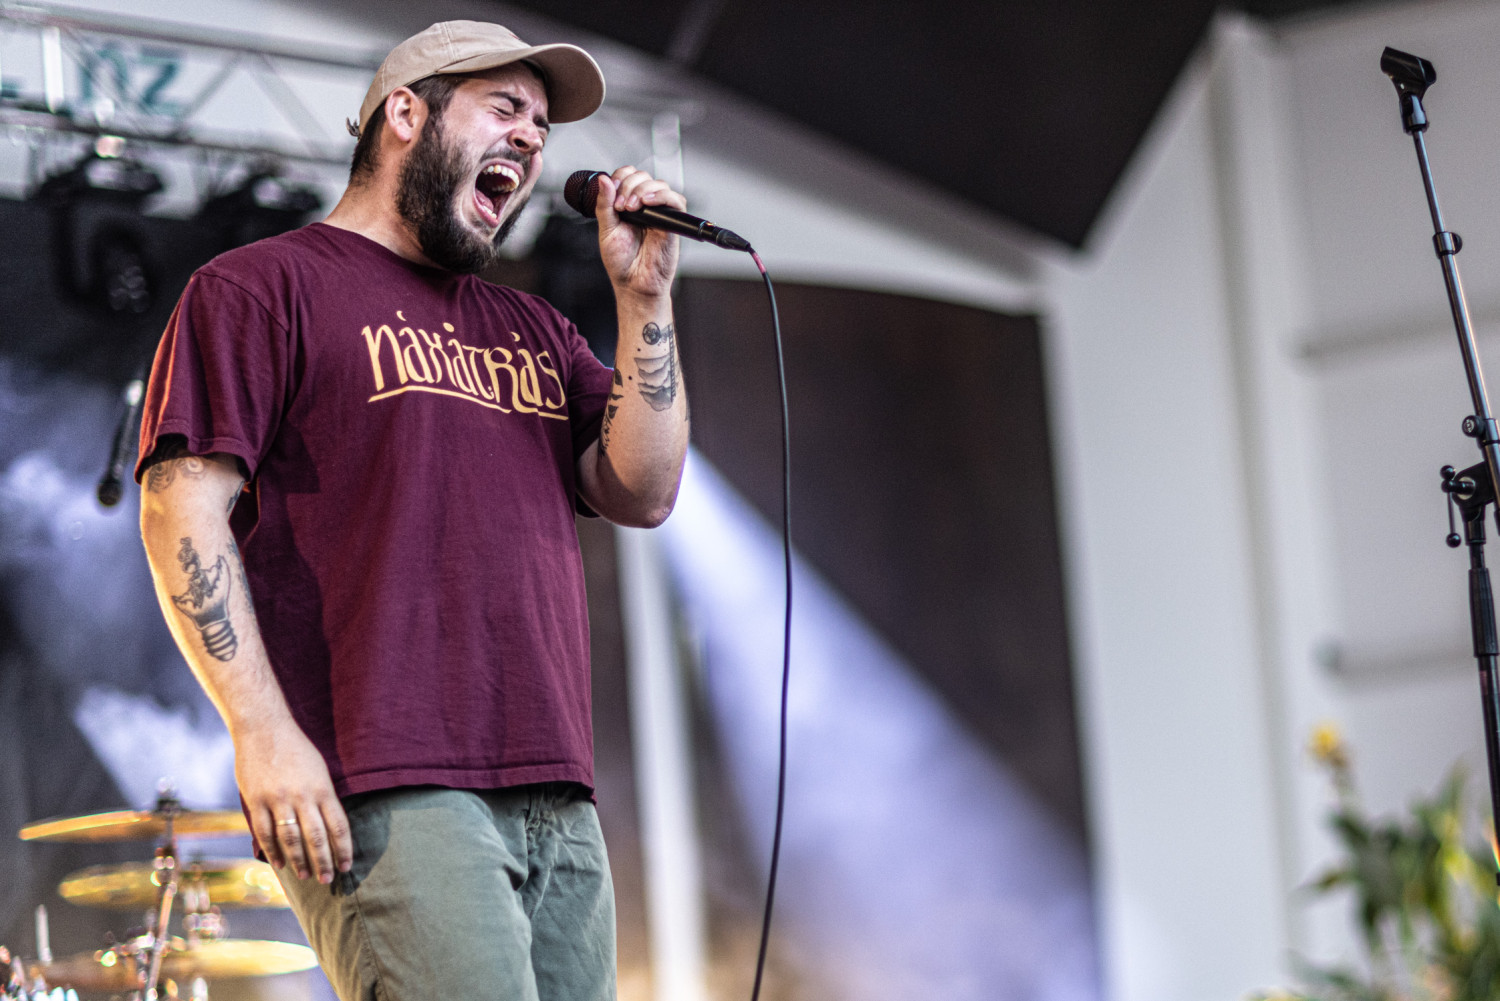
110, 490
581, 189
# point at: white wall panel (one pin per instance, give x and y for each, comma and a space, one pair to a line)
1162, 570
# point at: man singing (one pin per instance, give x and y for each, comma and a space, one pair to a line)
398, 449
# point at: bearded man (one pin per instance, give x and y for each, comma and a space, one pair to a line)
398, 449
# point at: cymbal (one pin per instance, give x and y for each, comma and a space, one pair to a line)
132, 885
135, 825
218, 959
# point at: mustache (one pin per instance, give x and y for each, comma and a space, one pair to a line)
523, 160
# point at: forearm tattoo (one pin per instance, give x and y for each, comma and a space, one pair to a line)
656, 378
239, 567
616, 394
205, 603
658, 373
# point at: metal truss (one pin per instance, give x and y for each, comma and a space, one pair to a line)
107, 77
123, 66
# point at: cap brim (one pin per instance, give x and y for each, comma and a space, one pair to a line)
575, 84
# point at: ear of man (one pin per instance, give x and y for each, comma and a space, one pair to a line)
405, 114
433, 92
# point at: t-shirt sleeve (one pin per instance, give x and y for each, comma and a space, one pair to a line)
220, 376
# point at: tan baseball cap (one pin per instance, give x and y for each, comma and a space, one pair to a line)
575, 86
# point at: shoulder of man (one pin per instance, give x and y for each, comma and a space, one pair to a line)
272, 271
271, 255
525, 303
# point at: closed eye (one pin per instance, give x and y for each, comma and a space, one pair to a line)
508, 105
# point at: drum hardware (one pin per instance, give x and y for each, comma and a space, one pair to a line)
14, 987
166, 879
138, 825
203, 884
43, 935
122, 967
152, 964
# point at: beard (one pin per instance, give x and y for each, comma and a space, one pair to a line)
434, 174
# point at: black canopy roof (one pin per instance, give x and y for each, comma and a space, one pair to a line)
1031, 110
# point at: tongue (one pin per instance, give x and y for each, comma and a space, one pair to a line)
486, 201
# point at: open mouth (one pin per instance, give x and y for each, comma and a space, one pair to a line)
494, 185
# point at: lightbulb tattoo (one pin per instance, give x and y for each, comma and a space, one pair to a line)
206, 601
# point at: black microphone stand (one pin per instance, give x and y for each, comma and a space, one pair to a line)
1472, 490
122, 447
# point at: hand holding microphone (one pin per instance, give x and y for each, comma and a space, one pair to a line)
582, 192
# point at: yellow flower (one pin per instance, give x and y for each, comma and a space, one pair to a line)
1438, 983
1327, 746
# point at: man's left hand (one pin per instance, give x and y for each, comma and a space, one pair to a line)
640, 262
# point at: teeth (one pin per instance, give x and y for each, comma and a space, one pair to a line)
505, 172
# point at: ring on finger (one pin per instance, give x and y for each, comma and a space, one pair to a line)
289, 822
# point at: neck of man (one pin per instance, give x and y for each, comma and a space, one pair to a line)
368, 207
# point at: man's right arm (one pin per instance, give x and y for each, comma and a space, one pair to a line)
200, 583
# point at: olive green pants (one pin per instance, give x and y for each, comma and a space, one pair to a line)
466, 895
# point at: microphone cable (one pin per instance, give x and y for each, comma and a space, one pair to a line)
581, 192
786, 635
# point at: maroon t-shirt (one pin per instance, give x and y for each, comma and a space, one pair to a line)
411, 437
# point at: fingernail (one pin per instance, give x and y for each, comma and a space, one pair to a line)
345, 866
326, 878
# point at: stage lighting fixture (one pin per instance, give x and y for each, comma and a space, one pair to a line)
98, 244
110, 176
122, 274
263, 205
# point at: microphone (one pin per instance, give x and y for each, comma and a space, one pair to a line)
112, 485
582, 190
